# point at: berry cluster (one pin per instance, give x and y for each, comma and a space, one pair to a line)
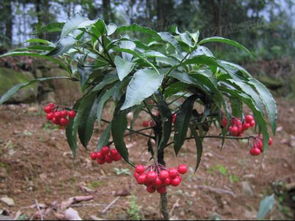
157, 177
238, 126
106, 154
257, 147
59, 117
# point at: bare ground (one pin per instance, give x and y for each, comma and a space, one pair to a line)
36, 165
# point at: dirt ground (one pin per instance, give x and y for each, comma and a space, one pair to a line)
37, 170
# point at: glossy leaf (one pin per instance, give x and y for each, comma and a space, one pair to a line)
123, 67
143, 84
104, 137
182, 122
226, 41
199, 146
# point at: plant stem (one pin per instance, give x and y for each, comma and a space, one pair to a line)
164, 199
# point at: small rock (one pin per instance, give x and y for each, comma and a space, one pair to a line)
208, 155
246, 188
279, 129
8, 201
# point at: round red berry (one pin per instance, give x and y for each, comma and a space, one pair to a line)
150, 189
164, 174
99, 155
162, 189
117, 157
93, 155
71, 114
158, 182
249, 118
108, 159
140, 169
136, 175
176, 181
270, 141
182, 168
255, 151
63, 113
49, 116
100, 161
145, 123
63, 121
252, 123
47, 109
141, 179
173, 172
55, 120
152, 123
167, 181
105, 150
151, 176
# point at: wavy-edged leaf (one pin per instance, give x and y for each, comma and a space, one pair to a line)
268, 101
86, 116
199, 146
17, 87
226, 41
27, 53
119, 125
104, 137
123, 67
182, 122
142, 85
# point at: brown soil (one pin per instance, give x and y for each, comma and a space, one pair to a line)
36, 165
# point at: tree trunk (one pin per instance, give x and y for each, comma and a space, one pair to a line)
106, 7
9, 22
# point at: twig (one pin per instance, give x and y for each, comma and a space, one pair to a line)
217, 190
39, 210
174, 206
112, 203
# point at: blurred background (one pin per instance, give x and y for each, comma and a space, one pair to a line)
265, 27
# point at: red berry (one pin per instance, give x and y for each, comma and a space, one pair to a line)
57, 114
249, 118
182, 168
100, 161
140, 169
173, 172
151, 176
105, 150
270, 141
117, 157
93, 155
255, 151
152, 123
174, 118
167, 181
55, 120
63, 121
49, 116
162, 189
141, 179
150, 189
223, 122
64, 113
72, 113
108, 158
136, 175
259, 144
47, 109
145, 123
246, 126
234, 130
99, 156
158, 182
252, 123
164, 174
176, 181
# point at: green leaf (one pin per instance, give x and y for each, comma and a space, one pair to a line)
265, 206
268, 101
103, 98
98, 29
52, 27
119, 125
142, 85
108, 79
111, 28
185, 37
84, 72
175, 88
236, 107
182, 122
41, 41
167, 37
27, 53
226, 41
104, 137
17, 87
73, 24
86, 116
138, 28
199, 146
201, 59
124, 67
